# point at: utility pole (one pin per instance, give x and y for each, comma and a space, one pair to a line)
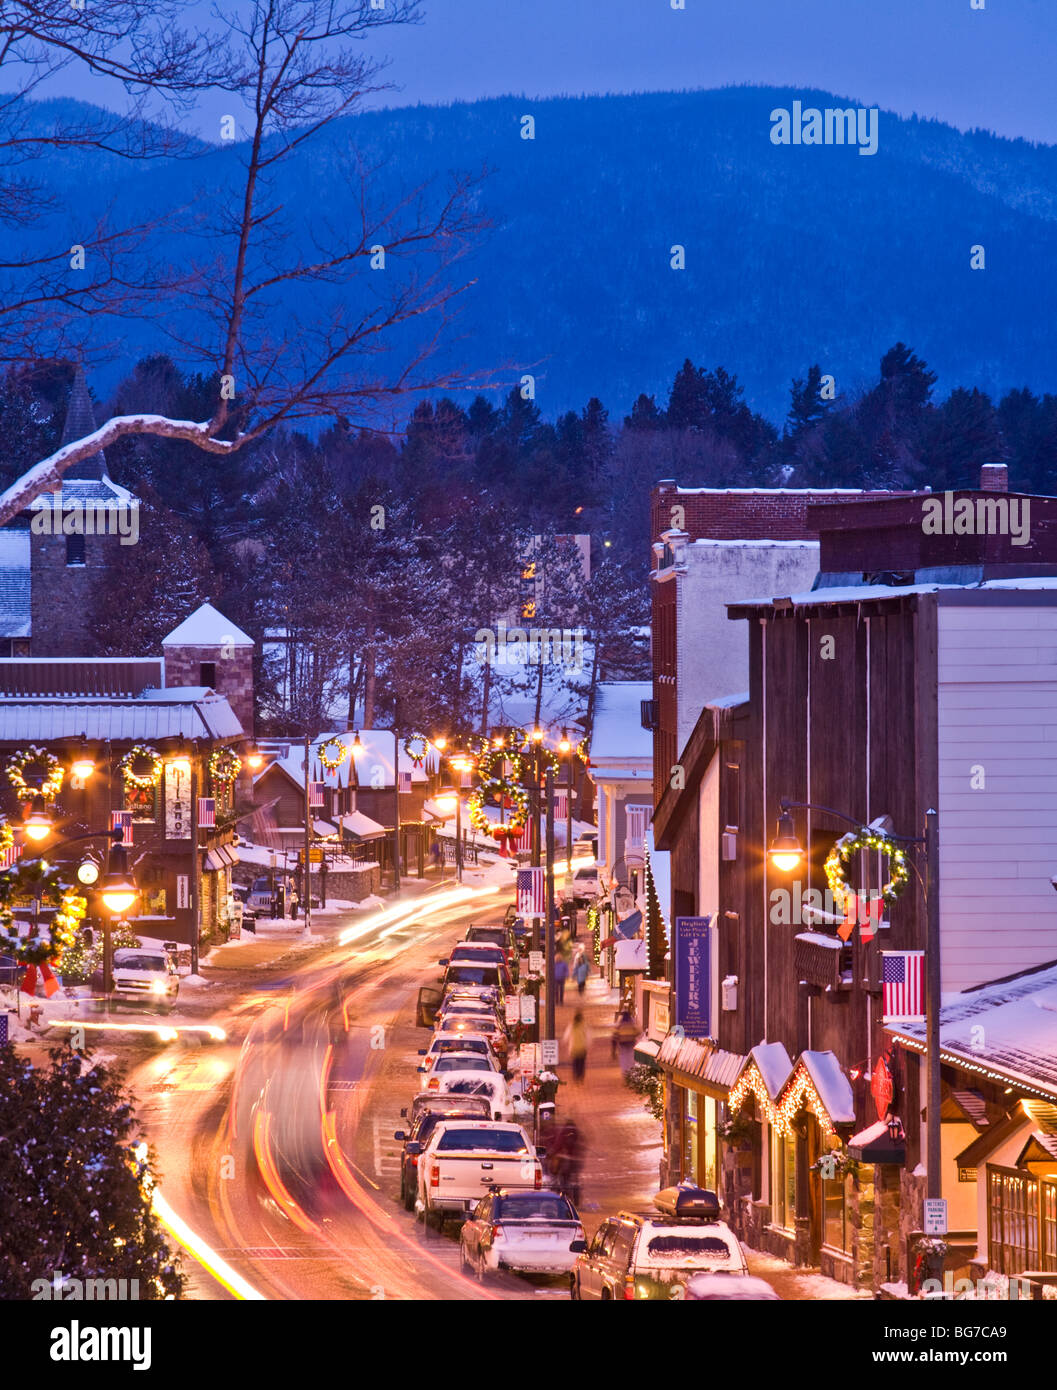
396, 795
306, 874
195, 885
548, 783
932, 1000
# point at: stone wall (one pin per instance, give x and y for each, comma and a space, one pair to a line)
61, 594
234, 675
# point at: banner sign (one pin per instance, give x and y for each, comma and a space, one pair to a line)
177, 802
693, 975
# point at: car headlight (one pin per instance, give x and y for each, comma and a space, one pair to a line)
159, 987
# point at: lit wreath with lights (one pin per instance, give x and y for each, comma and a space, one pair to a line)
332, 761
34, 881
136, 756
491, 757
836, 865
224, 765
44, 764
416, 746
583, 750
499, 787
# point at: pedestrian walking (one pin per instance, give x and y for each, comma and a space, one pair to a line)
581, 970
625, 1035
561, 974
295, 899
436, 855
575, 1039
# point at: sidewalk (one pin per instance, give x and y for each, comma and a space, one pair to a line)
622, 1140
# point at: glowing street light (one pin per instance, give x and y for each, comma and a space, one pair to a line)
118, 891
37, 826
785, 850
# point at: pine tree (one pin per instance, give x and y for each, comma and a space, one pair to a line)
645, 415
76, 1193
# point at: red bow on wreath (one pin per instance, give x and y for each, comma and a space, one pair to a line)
29, 980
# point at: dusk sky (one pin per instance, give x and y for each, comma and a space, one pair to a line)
941, 58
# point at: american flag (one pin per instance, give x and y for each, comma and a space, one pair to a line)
315, 794
207, 812
10, 857
530, 892
903, 986
561, 805
122, 820
404, 782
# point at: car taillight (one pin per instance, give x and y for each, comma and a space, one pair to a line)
434, 1176
433, 1083
497, 1231
414, 1160
629, 1287
539, 1176
580, 1234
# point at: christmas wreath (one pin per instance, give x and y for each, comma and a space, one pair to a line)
30, 882
224, 765
46, 773
505, 791
133, 770
416, 746
332, 760
837, 863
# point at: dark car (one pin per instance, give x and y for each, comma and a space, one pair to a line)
422, 1126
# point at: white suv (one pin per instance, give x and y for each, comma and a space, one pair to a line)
143, 975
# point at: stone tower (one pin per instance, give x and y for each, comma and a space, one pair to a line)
208, 649
71, 532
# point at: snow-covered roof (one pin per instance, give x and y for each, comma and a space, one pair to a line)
699, 1057
774, 1065
207, 627
374, 763
15, 610
729, 701
617, 732
356, 823
864, 593
120, 721
1009, 1028
833, 1087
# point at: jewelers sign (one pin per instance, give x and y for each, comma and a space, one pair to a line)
693, 975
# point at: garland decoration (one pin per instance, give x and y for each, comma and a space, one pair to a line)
493, 758
836, 865
47, 770
35, 881
499, 787
583, 750
332, 760
416, 746
136, 756
224, 765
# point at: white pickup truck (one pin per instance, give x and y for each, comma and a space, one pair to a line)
464, 1158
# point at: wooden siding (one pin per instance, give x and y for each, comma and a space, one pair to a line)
997, 671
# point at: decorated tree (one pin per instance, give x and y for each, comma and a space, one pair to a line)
76, 1185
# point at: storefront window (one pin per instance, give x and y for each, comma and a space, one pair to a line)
783, 1180
1013, 1220
690, 1163
709, 1176
835, 1231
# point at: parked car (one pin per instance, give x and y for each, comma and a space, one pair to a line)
585, 882
531, 1232
462, 1062
443, 1044
481, 953
428, 1101
440, 1108
476, 1025
636, 1255
143, 976
260, 896
464, 1157
727, 1288
485, 979
475, 1083
493, 934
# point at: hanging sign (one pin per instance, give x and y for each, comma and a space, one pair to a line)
693, 975
177, 802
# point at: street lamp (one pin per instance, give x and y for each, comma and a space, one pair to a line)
38, 825
82, 766
786, 852
118, 891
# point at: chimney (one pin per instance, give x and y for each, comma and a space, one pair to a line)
994, 477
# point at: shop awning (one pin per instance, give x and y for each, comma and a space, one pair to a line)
646, 1050
630, 955
361, 827
700, 1065
816, 1083
222, 857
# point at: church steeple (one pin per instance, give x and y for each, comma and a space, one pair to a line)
80, 420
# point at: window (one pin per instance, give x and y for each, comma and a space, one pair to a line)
1048, 1201
207, 673
1012, 1220
836, 1231
783, 1180
75, 550
501, 1141
625, 1239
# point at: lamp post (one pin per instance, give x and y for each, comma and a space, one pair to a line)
564, 748
548, 792
786, 852
396, 796
306, 874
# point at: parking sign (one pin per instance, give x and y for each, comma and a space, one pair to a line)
935, 1216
